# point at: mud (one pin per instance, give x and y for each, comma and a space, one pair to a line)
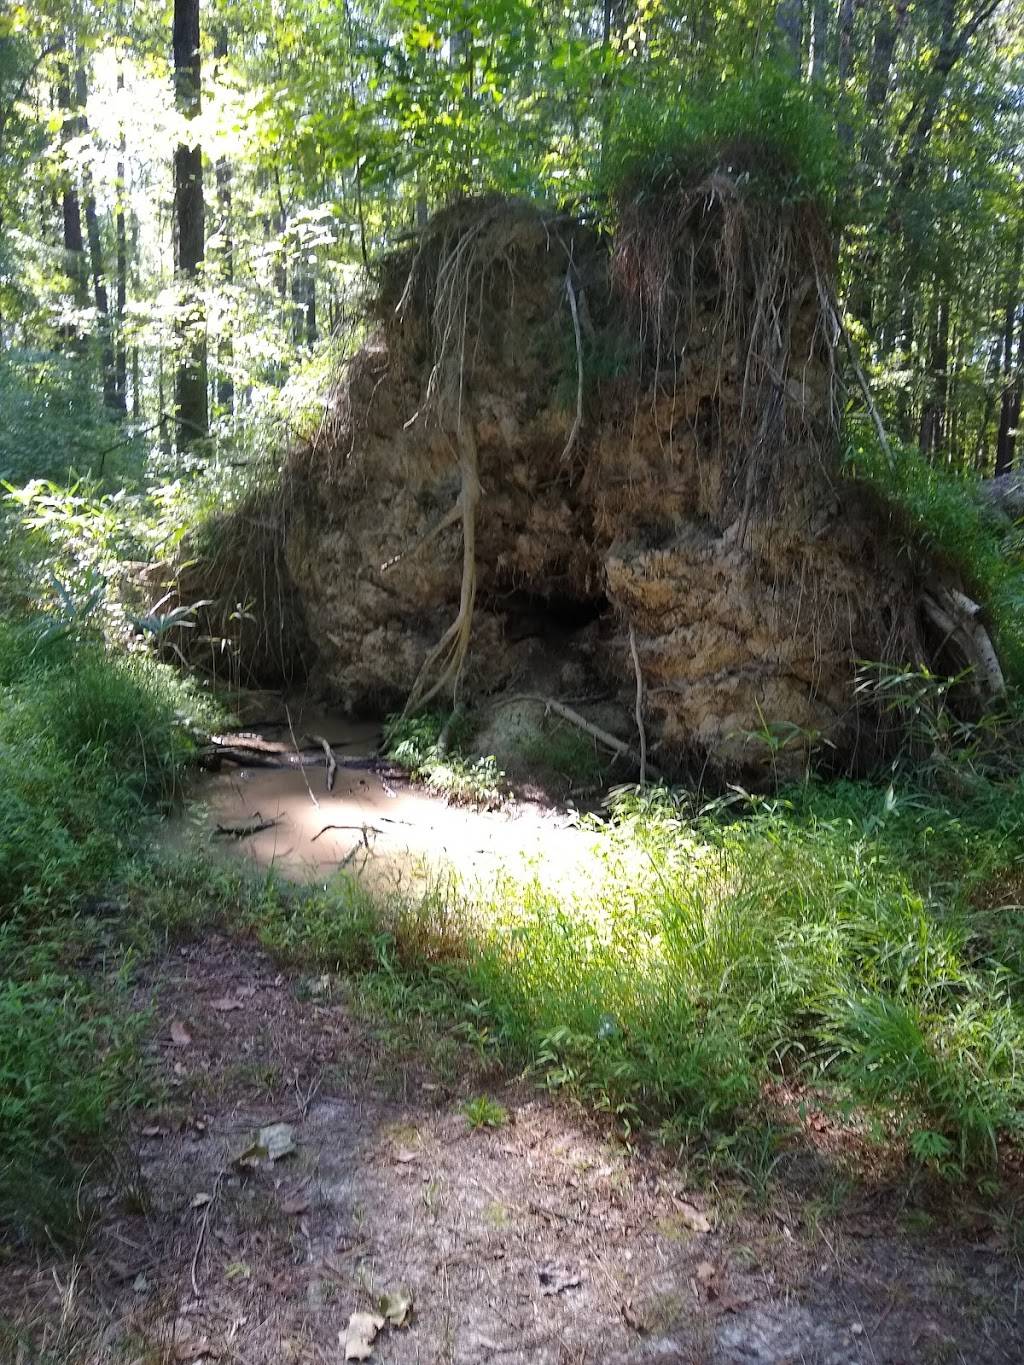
374, 822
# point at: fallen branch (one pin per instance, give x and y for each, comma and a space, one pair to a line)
957, 617
609, 741
254, 826
357, 829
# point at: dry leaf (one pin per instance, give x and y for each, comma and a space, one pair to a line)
272, 1143
152, 1130
360, 1334
693, 1218
201, 1199
705, 1272
396, 1307
180, 1035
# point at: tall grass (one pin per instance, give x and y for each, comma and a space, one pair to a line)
829, 939
90, 741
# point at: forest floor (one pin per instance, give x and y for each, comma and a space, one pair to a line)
504, 1225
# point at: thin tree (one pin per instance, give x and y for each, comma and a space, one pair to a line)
190, 384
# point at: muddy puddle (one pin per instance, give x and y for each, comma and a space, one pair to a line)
373, 821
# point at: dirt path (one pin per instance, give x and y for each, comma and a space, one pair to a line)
540, 1240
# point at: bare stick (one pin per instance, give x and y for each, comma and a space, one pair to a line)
254, 826
332, 762
639, 705
609, 741
358, 829
579, 368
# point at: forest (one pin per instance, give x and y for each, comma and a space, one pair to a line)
511, 681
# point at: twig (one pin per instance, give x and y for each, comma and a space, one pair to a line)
358, 829
639, 706
204, 1223
610, 741
332, 762
255, 826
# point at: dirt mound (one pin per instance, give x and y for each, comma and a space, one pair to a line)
569, 462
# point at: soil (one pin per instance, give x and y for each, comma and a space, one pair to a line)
502, 504
541, 1240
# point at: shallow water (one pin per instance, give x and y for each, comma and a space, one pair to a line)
376, 824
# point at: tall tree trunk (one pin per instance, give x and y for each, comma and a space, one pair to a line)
1010, 395
225, 344
71, 212
844, 68
191, 402
933, 412
121, 299
789, 22
101, 298
819, 40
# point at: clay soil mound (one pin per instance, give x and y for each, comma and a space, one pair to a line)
567, 458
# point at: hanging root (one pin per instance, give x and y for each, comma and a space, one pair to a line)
449, 654
452, 272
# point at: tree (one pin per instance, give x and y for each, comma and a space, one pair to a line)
191, 408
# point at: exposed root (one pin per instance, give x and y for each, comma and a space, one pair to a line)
449, 654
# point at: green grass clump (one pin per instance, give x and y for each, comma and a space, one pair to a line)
430, 745
768, 130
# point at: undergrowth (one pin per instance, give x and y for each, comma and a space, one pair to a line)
91, 742
847, 942
941, 512
429, 746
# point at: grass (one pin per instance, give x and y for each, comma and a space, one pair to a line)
829, 940
940, 510
91, 743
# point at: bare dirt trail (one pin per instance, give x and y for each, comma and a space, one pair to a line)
541, 1240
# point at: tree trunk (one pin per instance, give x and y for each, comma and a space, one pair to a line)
190, 387
225, 344
121, 299
71, 212
101, 298
789, 22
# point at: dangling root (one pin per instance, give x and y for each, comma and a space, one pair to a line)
450, 652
